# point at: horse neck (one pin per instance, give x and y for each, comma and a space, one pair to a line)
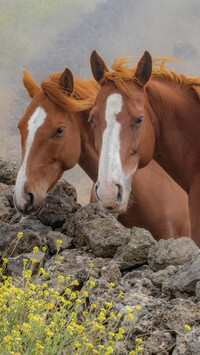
175, 115
88, 159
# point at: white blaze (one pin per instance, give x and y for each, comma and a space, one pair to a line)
110, 167
35, 121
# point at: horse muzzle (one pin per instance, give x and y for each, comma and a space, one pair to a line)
27, 205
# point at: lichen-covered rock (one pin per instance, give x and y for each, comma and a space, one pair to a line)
7, 210
76, 264
135, 250
101, 232
184, 281
33, 235
52, 238
8, 172
171, 252
188, 344
162, 275
59, 204
15, 265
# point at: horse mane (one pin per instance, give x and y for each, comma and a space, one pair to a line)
82, 98
122, 74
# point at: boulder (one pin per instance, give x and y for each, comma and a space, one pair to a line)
8, 172
52, 238
171, 252
59, 204
135, 250
100, 231
184, 281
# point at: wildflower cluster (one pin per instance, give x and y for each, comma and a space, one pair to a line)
37, 319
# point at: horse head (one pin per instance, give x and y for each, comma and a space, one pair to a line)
123, 131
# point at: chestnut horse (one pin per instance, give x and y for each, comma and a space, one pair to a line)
56, 134
146, 113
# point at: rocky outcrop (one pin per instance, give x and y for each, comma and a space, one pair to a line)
162, 277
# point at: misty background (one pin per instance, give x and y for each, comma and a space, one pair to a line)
45, 36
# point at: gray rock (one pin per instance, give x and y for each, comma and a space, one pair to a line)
197, 290
161, 341
13, 246
52, 238
184, 281
160, 276
135, 250
59, 204
101, 232
111, 272
15, 266
189, 343
171, 252
76, 264
8, 172
7, 210
32, 229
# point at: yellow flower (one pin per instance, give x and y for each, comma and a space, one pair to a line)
111, 334
60, 258
44, 249
187, 327
89, 346
101, 317
132, 352
93, 305
75, 282
68, 278
108, 304
42, 271
78, 345
7, 339
109, 350
91, 266
60, 278
92, 284
39, 346
35, 250
67, 291
121, 331
138, 340
111, 285
138, 308
19, 235
129, 316
73, 295
129, 310
59, 242
34, 261
121, 294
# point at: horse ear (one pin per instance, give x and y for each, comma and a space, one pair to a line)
30, 85
67, 81
144, 69
98, 66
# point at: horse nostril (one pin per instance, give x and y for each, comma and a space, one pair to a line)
30, 201
109, 208
119, 195
95, 189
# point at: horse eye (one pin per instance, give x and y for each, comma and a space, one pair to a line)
59, 132
137, 122
91, 119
